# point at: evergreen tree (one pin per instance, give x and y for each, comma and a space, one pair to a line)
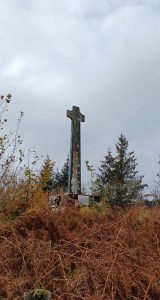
156, 186
46, 175
107, 169
106, 177
65, 174
118, 175
56, 180
60, 180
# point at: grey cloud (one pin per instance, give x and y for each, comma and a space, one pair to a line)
103, 56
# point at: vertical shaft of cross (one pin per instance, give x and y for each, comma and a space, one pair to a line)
75, 150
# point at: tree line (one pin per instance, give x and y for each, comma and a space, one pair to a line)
117, 179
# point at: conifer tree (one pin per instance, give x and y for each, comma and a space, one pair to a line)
65, 174
106, 175
156, 186
118, 175
60, 180
46, 174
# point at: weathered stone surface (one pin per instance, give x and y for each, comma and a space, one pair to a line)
83, 200
55, 201
38, 294
60, 201
75, 151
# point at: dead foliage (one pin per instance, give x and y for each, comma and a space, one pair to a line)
82, 254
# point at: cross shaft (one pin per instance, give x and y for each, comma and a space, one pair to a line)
75, 150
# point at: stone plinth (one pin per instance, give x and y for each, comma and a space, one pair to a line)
71, 200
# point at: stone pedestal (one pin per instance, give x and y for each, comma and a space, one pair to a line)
67, 200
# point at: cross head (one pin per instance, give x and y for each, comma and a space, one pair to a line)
75, 114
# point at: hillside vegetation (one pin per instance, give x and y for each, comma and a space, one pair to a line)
82, 254
92, 253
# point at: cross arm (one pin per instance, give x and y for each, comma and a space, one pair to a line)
69, 114
82, 118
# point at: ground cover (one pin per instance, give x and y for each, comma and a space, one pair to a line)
82, 254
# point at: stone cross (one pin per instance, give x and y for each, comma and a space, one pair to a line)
75, 151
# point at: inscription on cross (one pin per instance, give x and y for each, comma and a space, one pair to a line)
75, 150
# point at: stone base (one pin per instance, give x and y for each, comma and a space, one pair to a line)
63, 200
72, 200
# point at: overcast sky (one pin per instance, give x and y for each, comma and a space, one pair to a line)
101, 55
